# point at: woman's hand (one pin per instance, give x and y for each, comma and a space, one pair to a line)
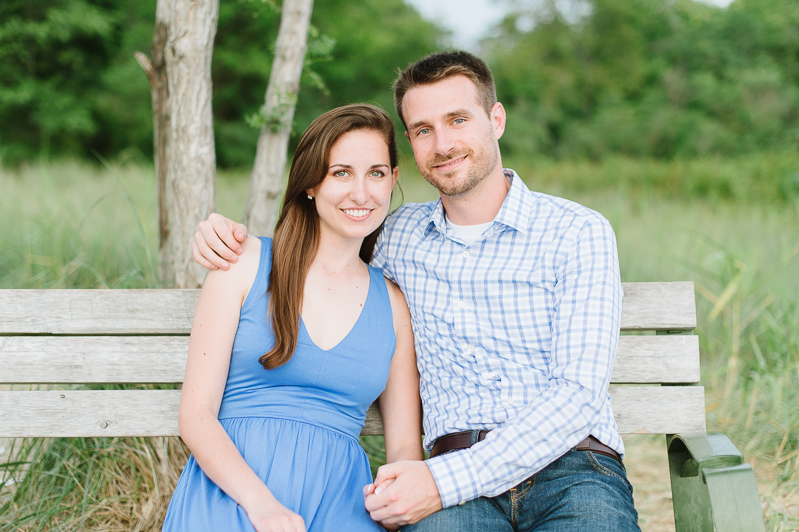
274, 517
372, 489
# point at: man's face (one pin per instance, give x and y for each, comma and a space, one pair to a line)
454, 141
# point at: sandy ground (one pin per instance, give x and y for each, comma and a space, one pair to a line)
648, 471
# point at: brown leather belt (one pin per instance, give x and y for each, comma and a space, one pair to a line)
464, 440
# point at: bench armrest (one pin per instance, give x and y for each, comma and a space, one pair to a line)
713, 489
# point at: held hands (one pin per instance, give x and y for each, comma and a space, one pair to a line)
217, 242
274, 517
403, 493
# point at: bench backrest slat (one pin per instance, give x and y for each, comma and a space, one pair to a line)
83, 413
658, 306
162, 359
97, 312
647, 306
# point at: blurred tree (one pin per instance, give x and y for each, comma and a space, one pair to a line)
373, 38
190, 155
69, 83
580, 78
354, 49
277, 116
52, 54
659, 78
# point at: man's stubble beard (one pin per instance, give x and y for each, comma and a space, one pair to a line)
482, 163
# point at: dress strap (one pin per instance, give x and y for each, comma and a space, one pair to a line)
381, 309
261, 281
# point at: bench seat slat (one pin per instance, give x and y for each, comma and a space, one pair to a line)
162, 359
83, 413
647, 306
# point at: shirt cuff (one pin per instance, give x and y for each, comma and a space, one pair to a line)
456, 477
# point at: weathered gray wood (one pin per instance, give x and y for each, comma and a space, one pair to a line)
162, 359
659, 410
658, 306
657, 359
123, 312
638, 410
373, 426
93, 359
646, 306
82, 413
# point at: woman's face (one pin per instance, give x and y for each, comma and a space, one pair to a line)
354, 197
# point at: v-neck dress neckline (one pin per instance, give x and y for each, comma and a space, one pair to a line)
304, 329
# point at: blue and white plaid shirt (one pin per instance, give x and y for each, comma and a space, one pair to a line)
516, 332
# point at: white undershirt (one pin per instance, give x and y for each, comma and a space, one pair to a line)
468, 233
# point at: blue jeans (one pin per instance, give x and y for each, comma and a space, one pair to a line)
579, 491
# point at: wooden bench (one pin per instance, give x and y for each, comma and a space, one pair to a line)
71, 337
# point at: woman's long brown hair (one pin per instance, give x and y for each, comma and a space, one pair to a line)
297, 232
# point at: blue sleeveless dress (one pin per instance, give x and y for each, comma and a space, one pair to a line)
297, 426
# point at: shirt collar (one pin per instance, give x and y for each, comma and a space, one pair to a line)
515, 211
518, 205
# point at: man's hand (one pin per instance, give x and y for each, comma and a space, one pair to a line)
403, 493
217, 242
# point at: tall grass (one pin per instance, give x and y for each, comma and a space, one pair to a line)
71, 225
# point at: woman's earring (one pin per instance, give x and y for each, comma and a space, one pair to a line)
310, 197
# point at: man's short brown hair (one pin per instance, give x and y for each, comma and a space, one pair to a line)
441, 65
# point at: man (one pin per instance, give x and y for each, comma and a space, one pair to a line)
515, 300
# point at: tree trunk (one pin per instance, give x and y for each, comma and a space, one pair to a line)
188, 194
266, 180
156, 73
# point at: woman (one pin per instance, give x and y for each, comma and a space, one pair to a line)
291, 345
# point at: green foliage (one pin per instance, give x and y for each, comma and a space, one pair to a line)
51, 55
373, 39
243, 51
69, 83
652, 78
350, 58
277, 119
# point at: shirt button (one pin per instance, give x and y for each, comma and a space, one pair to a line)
510, 401
471, 348
461, 503
466, 253
461, 304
